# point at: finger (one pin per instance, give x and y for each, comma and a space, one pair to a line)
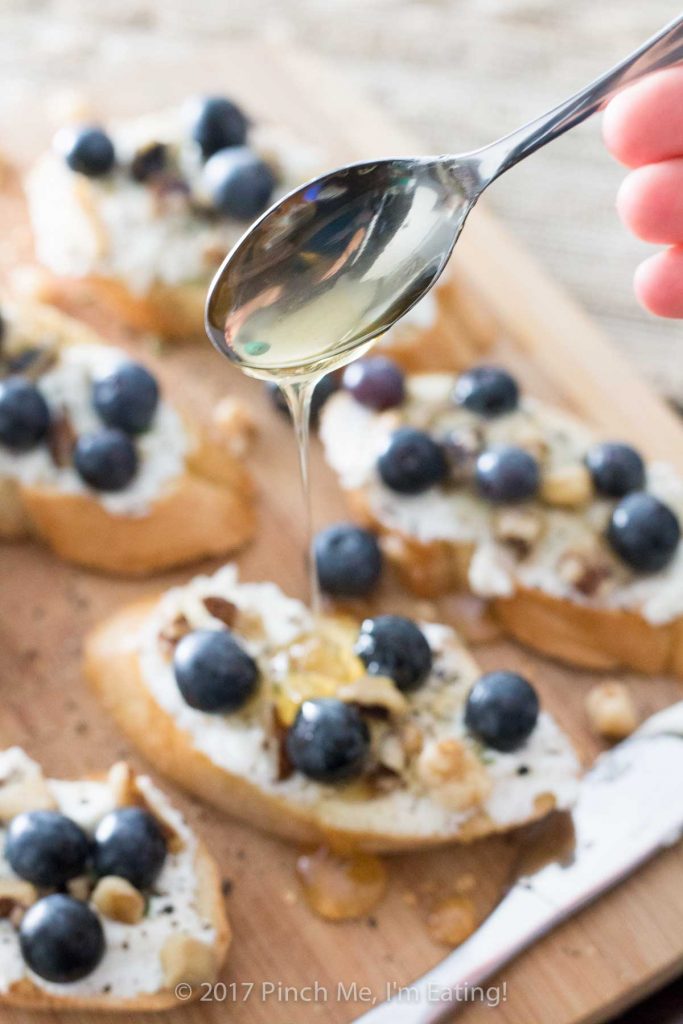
644, 123
650, 202
659, 283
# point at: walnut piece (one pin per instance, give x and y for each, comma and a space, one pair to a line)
80, 887
186, 959
611, 710
412, 738
222, 609
118, 900
461, 447
374, 692
16, 896
454, 774
24, 788
518, 528
567, 486
391, 753
173, 632
585, 570
61, 439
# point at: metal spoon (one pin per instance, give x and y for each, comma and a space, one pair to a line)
340, 259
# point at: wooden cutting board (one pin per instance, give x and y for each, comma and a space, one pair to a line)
608, 956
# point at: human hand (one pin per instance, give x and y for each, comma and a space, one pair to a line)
643, 129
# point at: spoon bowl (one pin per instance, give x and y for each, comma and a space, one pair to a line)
335, 263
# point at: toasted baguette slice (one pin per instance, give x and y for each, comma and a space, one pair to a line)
425, 781
553, 580
192, 496
144, 242
171, 312
142, 971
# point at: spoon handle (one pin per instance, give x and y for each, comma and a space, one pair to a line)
661, 51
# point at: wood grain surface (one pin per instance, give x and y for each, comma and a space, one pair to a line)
599, 962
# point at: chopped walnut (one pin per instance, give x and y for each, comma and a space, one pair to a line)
454, 774
186, 959
611, 710
250, 624
518, 528
61, 438
32, 362
223, 610
277, 733
170, 193
374, 692
148, 161
16, 896
24, 789
382, 780
412, 738
587, 571
462, 446
391, 753
80, 887
567, 486
172, 632
118, 900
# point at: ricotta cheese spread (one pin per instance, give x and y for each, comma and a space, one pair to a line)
67, 387
354, 436
240, 744
119, 228
131, 965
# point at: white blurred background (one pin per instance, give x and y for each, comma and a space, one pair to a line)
455, 72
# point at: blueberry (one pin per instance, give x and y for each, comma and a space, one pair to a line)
46, 848
505, 473
376, 382
217, 124
323, 390
487, 390
329, 740
130, 844
239, 182
412, 462
61, 938
88, 150
106, 460
644, 532
393, 646
127, 398
24, 415
502, 710
213, 672
616, 469
348, 560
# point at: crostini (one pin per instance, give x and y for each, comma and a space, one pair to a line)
575, 541
138, 216
382, 737
108, 900
99, 466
